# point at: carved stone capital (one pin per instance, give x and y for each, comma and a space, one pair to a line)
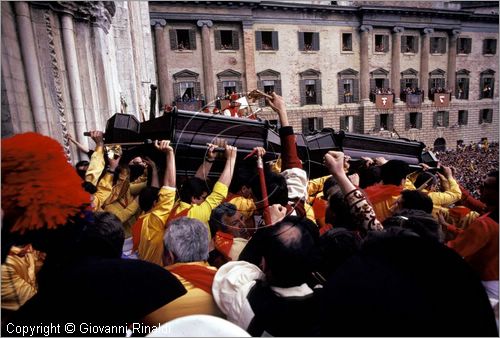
158, 23
99, 13
398, 29
455, 33
366, 28
428, 30
202, 23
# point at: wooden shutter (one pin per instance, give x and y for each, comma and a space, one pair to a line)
456, 87
372, 85
315, 41
236, 40
485, 45
220, 89
494, 47
355, 90
385, 41
404, 44
275, 41
460, 45
415, 44
434, 119
489, 117
419, 120
377, 122
302, 90
320, 123
260, 86
465, 117
173, 39
468, 45
407, 121
342, 122
239, 87
492, 88
430, 85
177, 91
277, 87
217, 39
442, 45
481, 86
414, 83
258, 40
446, 118
466, 88
305, 125
340, 90
390, 122
192, 39
319, 97
356, 123
480, 116
301, 40
197, 89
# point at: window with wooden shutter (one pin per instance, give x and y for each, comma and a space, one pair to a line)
192, 39
378, 123
386, 43
407, 121
302, 46
489, 117
177, 91
197, 89
275, 42
404, 44
305, 126
260, 87
320, 123
235, 36
258, 40
419, 120
173, 39
340, 88
277, 87
390, 122
217, 39
355, 90
347, 42
490, 46
485, 116
315, 41
220, 90
464, 45
343, 123
319, 97
381, 43
415, 44
435, 119
302, 89
462, 85
446, 118
463, 116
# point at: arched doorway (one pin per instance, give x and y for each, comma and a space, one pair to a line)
440, 144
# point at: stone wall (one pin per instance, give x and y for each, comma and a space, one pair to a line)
67, 67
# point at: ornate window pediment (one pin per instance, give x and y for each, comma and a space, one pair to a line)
379, 73
310, 74
229, 74
186, 75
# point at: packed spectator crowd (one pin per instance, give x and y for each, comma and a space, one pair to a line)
372, 249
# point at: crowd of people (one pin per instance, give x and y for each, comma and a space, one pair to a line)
125, 242
472, 163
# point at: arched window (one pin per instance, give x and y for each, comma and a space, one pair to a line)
268, 81
487, 84
310, 87
186, 86
437, 82
462, 86
229, 82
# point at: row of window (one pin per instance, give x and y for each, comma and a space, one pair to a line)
185, 39
187, 87
413, 120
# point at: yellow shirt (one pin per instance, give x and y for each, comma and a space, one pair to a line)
19, 278
153, 227
202, 212
96, 166
195, 301
244, 205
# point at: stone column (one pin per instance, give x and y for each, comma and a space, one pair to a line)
424, 62
31, 68
249, 55
75, 87
208, 70
364, 66
164, 83
396, 66
452, 60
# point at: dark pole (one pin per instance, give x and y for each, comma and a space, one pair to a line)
152, 109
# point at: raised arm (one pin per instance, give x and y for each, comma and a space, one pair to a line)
96, 165
354, 197
205, 167
227, 174
169, 177
81, 147
155, 180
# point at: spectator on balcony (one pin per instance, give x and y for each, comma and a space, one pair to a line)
347, 96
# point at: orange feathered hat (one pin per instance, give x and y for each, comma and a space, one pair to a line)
40, 189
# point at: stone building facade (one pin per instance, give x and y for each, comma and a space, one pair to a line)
69, 66
326, 48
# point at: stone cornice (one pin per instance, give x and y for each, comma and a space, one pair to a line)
99, 13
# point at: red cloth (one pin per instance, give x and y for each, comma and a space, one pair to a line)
324, 229
289, 156
223, 243
470, 202
478, 244
381, 192
319, 206
174, 215
198, 275
136, 233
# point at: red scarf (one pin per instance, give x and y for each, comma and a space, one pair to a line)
200, 276
223, 243
382, 192
136, 233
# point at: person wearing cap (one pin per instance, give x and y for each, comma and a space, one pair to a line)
83, 279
